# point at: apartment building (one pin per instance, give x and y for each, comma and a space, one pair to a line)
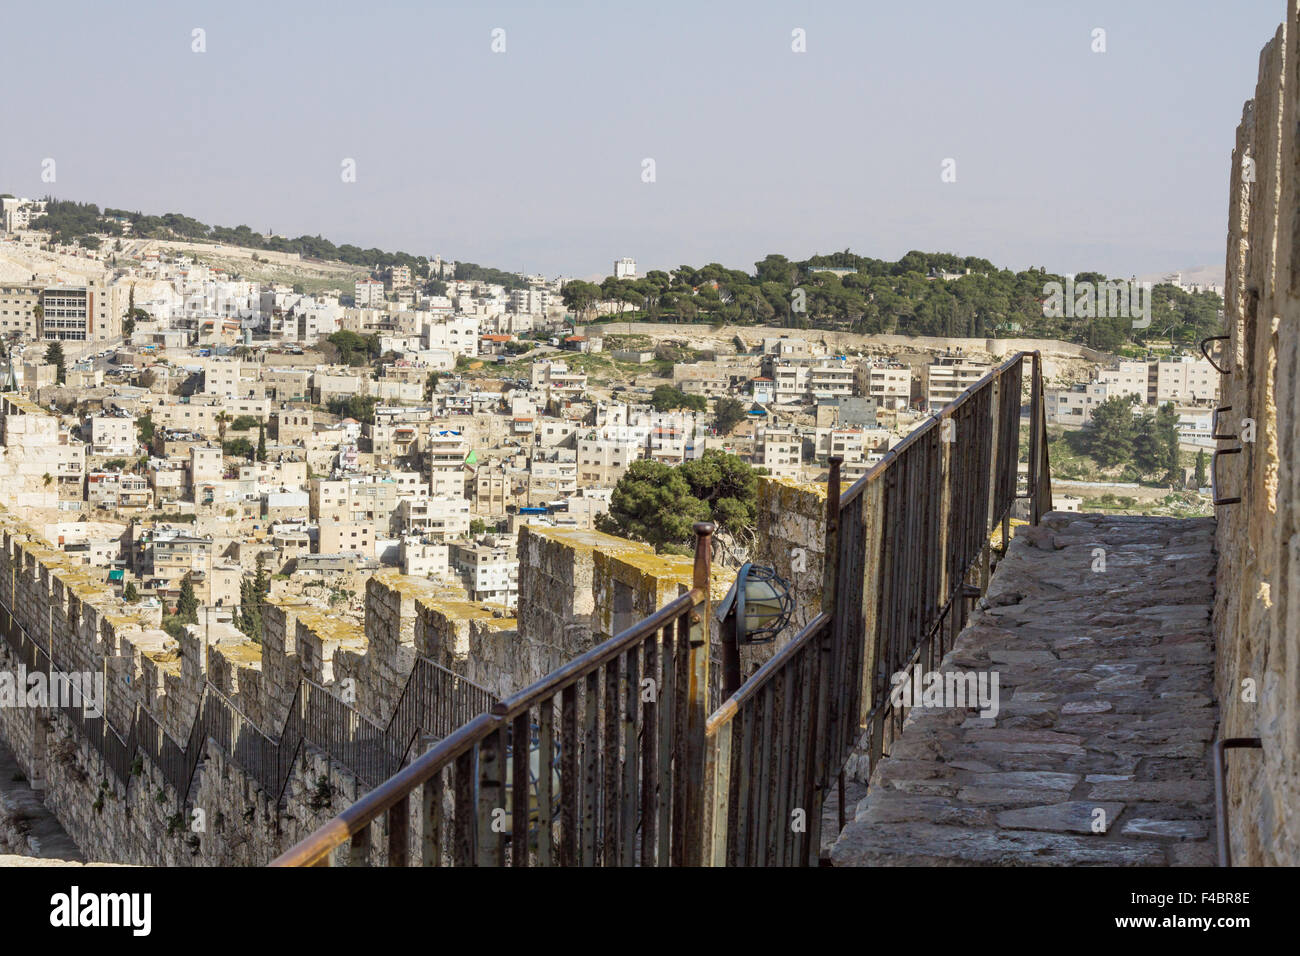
489, 571
457, 334
18, 213
1129, 378
40, 463
172, 554
1185, 380
79, 313
558, 382
223, 378
947, 377
830, 380
603, 456
530, 301
791, 382
1074, 406
446, 452
112, 435
890, 384
437, 519
780, 451
346, 537
368, 294
18, 303
425, 559
399, 277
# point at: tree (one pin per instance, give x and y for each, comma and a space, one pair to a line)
144, 425
187, 605
222, 419
1201, 478
238, 448
131, 594
261, 443
652, 502
665, 398
659, 503
253, 593
54, 356
1169, 457
1146, 443
1110, 433
728, 413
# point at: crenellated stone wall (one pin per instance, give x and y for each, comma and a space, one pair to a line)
1257, 610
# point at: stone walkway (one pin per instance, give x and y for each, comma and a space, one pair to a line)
1100, 751
27, 828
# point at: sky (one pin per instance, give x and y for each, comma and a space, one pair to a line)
533, 158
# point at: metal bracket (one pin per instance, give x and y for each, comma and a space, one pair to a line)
1214, 476
1206, 352
1214, 423
1220, 789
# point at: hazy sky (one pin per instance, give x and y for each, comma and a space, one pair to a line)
531, 159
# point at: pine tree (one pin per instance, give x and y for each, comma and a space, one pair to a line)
131, 594
1200, 469
187, 605
1110, 433
54, 356
261, 443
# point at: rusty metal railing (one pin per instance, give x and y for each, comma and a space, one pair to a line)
615, 778
598, 763
905, 539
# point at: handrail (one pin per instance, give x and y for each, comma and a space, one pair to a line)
477, 753
567, 674
778, 742
665, 782
1220, 790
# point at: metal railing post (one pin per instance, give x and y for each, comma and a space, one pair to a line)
697, 702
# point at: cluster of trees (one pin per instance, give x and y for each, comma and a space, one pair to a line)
354, 349
78, 222
666, 398
473, 272
1147, 442
908, 297
659, 503
360, 407
728, 413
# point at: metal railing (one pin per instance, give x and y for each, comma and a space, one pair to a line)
599, 762
433, 702
612, 777
905, 539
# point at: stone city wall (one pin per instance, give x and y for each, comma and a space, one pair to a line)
1257, 610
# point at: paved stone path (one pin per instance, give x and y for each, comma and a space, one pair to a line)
1106, 713
27, 828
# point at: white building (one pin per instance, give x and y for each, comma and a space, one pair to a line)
780, 451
